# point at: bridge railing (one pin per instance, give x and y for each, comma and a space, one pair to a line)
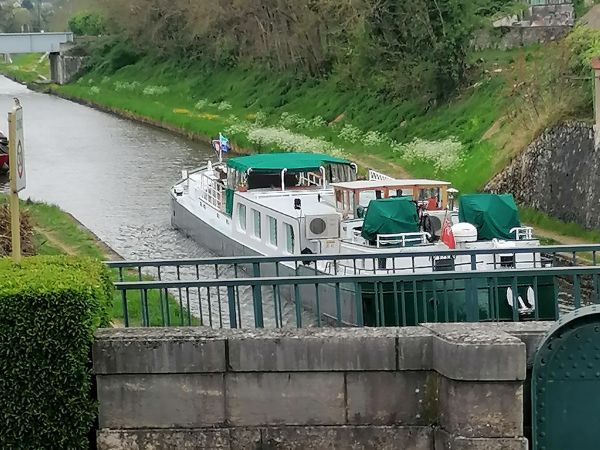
359, 300
363, 263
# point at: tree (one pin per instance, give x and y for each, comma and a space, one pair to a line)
87, 24
21, 20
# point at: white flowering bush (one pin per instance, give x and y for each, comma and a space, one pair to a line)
444, 154
288, 120
238, 128
374, 138
317, 122
91, 81
261, 118
201, 104
95, 90
155, 90
224, 106
105, 80
126, 86
284, 139
350, 133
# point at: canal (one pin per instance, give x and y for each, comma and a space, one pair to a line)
113, 175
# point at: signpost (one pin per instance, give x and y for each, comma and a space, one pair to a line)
16, 162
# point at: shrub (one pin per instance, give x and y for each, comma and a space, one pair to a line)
224, 106
155, 90
201, 104
444, 154
584, 44
87, 24
49, 310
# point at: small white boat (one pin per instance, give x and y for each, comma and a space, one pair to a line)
284, 204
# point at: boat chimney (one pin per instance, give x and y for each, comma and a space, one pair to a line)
596, 67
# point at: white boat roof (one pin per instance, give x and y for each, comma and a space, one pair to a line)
407, 183
283, 201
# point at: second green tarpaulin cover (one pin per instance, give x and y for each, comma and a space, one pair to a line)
493, 215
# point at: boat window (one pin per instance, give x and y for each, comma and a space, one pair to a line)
257, 223
366, 197
242, 216
273, 231
290, 238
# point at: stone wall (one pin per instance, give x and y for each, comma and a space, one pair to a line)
443, 386
64, 67
507, 37
551, 15
557, 174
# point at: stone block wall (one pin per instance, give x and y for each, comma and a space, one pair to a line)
557, 174
64, 67
508, 37
434, 387
557, 14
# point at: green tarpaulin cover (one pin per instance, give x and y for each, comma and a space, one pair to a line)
390, 216
493, 215
276, 162
229, 201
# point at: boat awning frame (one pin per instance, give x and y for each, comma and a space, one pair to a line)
277, 162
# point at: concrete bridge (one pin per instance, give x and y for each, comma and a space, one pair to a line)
33, 42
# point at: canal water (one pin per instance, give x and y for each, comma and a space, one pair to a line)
112, 174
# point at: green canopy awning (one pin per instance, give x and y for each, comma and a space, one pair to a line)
493, 215
276, 162
390, 216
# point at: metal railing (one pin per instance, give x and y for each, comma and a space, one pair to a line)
360, 289
359, 300
402, 239
378, 176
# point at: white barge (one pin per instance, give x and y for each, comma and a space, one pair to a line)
284, 204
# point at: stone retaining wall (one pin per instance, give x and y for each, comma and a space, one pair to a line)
557, 174
442, 386
64, 67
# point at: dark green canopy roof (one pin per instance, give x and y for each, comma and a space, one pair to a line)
276, 162
493, 215
390, 216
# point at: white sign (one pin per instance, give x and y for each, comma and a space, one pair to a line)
17, 150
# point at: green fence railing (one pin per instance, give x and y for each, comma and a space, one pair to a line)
298, 291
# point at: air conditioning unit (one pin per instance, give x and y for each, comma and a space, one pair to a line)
323, 226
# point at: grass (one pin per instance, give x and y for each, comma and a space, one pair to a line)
57, 232
567, 229
28, 68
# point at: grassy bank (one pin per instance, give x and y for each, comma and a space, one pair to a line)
466, 140
267, 112
57, 233
28, 68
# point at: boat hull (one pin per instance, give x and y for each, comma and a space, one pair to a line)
434, 301
328, 304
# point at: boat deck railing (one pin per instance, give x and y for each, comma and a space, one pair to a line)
212, 191
273, 291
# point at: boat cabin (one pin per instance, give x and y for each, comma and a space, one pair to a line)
353, 198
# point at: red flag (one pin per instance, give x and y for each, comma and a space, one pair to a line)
447, 235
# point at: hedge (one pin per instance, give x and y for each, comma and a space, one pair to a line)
49, 310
